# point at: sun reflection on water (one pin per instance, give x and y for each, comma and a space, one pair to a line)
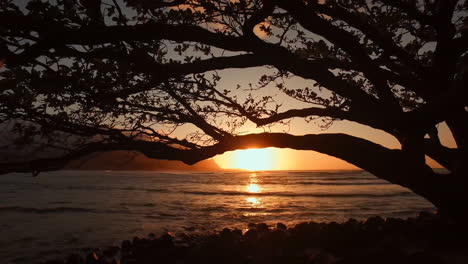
253, 201
254, 188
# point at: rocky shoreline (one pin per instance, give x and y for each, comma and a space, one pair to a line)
427, 239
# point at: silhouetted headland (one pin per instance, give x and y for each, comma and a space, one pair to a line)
126, 160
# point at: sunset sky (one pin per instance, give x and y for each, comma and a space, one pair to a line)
285, 159
288, 159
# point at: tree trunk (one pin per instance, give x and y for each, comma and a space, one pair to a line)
449, 193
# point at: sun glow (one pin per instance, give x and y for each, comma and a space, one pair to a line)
253, 159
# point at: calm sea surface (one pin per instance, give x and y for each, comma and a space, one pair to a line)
56, 213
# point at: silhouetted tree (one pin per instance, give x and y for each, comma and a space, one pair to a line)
85, 76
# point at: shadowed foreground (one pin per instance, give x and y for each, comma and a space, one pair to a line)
425, 239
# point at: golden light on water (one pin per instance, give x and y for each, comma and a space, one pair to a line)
253, 188
253, 201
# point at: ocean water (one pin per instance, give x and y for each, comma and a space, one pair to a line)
60, 212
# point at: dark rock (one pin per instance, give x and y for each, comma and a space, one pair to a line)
375, 223
92, 258
237, 232
136, 240
373, 241
427, 218
167, 236
75, 259
126, 244
251, 235
226, 234
333, 226
423, 257
110, 252
262, 227
281, 226
55, 261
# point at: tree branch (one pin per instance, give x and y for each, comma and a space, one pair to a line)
257, 18
385, 163
409, 7
156, 4
377, 35
196, 119
346, 41
447, 157
443, 54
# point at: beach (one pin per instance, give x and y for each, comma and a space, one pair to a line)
427, 238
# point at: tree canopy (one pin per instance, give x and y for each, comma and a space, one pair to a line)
86, 76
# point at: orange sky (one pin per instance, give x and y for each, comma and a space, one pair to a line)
288, 159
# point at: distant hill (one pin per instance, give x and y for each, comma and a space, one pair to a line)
125, 160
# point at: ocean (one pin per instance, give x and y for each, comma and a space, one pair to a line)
57, 213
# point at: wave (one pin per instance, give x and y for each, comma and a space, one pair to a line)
345, 178
61, 202
214, 209
108, 188
287, 194
165, 216
304, 182
44, 210
52, 210
414, 212
341, 183
330, 172
138, 204
154, 190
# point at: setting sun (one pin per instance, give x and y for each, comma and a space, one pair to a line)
253, 159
